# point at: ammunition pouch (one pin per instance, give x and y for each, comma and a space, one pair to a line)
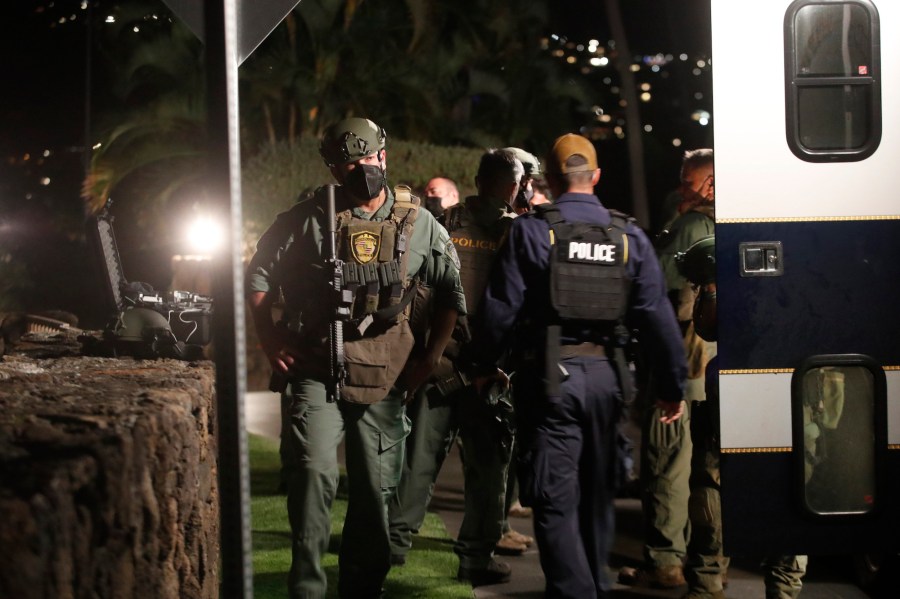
373, 364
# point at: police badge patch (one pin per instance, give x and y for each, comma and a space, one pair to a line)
364, 246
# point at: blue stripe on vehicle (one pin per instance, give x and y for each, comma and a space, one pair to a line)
840, 293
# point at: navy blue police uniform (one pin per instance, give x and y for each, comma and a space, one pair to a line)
571, 464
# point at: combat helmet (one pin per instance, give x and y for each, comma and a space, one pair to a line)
350, 139
141, 332
529, 161
698, 263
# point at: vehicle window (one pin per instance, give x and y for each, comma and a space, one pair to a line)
839, 439
832, 84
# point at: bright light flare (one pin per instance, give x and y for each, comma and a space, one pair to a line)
205, 235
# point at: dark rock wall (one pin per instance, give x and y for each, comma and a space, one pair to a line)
107, 478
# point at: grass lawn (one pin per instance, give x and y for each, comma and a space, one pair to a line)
430, 570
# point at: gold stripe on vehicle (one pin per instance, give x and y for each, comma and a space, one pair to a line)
757, 450
806, 219
758, 371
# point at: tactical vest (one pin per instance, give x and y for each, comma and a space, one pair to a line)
476, 247
377, 338
375, 256
589, 285
588, 281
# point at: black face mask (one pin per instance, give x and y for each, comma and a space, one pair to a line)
433, 205
523, 198
365, 181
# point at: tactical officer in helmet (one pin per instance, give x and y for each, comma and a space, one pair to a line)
450, 406
391, 250
573, 275
525, 197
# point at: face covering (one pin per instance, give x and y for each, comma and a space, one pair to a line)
365, 181
523, 198
433, 205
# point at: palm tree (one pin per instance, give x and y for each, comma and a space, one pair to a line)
622, 61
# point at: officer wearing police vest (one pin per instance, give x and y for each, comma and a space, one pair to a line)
575, 275
390, 251
449, 407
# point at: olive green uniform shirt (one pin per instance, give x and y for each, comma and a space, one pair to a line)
290, 256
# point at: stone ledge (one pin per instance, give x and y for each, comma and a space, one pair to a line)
107, 478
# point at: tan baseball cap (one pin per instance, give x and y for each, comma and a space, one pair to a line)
565, 147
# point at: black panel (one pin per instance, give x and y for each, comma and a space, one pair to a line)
761, 517
840, 293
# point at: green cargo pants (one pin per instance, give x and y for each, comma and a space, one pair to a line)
705, 562
434, 429
665, 471
487, 445
374, 436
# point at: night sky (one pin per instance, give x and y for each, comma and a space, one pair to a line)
42, 111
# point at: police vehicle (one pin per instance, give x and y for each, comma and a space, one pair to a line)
807, 141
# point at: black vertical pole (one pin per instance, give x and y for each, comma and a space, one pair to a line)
224, 188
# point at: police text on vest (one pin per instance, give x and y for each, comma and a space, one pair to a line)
593, 252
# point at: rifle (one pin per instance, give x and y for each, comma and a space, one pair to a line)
343, 301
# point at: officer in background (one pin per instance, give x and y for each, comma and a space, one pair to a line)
440, 194
569, 275
666, 450
389, 247
706, 565
525, 197
448, 406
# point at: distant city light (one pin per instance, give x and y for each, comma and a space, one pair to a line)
97, 146
635, 68
645, 97
696, 71
571, 59
645, 87
46, 153
698, 96
136, 29
676, 142
701, 63
604, 118
701, 116
683, 56
648, 128
655, 68
599, 61
110, 19
84, 4
45, 181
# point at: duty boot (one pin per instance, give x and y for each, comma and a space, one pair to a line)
518, 537
507, 545
493, 573
662, 577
